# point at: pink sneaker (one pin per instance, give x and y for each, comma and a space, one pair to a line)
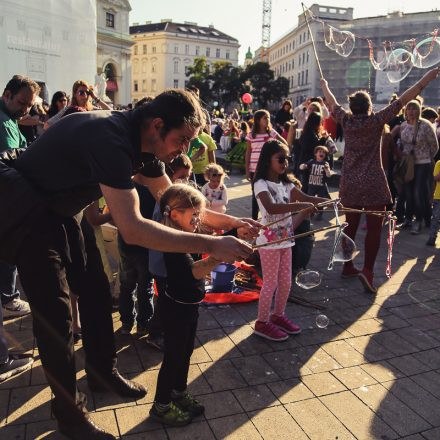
269, 331
285, 324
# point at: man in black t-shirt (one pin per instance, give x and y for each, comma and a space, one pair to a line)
80, 158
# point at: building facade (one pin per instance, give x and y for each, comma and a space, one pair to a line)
292, 55
114, 49
163, 52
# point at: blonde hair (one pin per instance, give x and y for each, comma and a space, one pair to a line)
415, 104
76, 85
214, 168
179, 196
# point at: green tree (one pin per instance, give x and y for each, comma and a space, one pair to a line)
199, 76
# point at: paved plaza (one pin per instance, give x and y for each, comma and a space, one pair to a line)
373, 373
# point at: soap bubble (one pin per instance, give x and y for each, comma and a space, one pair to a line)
328, 36
346, 249
427, 53
345, 43
322, 321
399, 65
341, 41
308, 279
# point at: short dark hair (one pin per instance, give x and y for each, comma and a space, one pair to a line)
360, 103
429, 113
144, 100
180, 162
18, 82
176, 107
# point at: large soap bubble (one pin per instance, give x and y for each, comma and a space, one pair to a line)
346, 249
426, 53
399, 65
341, 41
344, 42
322, 321
308, 279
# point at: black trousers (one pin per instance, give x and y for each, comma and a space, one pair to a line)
179, 323
56, 257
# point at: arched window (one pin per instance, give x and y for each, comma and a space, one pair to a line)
176, 66
135, 66
144, 65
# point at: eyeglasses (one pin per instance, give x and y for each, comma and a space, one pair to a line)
282, 159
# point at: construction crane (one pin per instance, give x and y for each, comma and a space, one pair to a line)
265, 30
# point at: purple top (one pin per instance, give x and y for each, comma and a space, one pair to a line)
363, 180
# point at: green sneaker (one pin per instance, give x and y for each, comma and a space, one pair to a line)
174, 416
190, 404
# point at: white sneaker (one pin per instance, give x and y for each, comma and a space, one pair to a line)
15, 308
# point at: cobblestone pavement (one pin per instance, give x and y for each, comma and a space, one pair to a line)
373, 373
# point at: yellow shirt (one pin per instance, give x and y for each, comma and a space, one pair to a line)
202, 161
437, 183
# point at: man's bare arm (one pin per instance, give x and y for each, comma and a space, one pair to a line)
124, 208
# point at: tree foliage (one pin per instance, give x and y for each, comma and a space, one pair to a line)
224, 83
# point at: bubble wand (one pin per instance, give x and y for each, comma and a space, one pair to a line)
313, 41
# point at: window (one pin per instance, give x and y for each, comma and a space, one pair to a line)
183, 29
302, 77
197, 50
293, 64
176, 49
217, 53
186, 83
186, 70
300, 39
304, 57
176, 66
299, 77
135, 50
176, 83
208, 51
144, 49
110, 19
153, 67
307, 56
154, 49
227, 54
136, 66
299, 60
144, 85
186, 49
135, 86
144, 66
153, 85
307, 76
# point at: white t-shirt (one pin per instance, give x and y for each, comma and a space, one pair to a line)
257, 143
279, 193
218, 197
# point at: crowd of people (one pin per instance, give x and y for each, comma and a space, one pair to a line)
152, 172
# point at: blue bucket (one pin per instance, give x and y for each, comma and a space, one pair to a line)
222, 277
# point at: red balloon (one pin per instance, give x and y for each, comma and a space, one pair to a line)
247, 98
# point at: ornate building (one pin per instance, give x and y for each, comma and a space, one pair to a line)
162, 53
114, 48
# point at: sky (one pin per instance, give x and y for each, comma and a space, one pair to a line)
242, 19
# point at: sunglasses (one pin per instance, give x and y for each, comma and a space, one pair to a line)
195, 219
282, 159
83, 92
216, 175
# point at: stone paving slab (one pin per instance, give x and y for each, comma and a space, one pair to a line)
373, 373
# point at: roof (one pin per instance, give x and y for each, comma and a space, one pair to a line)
181, 28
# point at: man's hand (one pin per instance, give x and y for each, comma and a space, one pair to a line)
247, 228
230, 249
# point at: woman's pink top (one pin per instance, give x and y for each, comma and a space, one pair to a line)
363, 180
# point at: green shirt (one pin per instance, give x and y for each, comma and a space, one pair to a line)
202, 161
10, 134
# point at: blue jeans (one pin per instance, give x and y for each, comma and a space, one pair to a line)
3, 343
136, 281
8, 279
435, 221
